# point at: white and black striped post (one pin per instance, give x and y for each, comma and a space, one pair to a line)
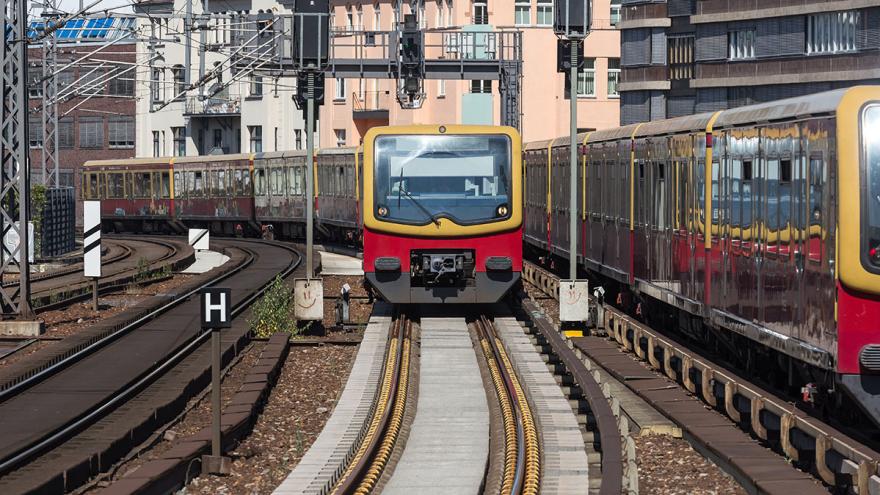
199, 239
92, 246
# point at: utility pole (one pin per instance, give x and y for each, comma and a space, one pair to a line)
572, 171
310, 175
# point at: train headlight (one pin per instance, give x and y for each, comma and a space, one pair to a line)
382, 211
501, 211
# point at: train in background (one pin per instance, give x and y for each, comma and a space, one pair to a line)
228, 194
753, 231
442, 217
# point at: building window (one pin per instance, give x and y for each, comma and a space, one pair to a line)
359, 10
65, 133
256, 134
35, 134
91, 81
298, 138
340, 137
155, 86
179, 134
741, 44
156, 149
681, 57
481, 86
340, 89
613, 77
35, 85
349, 18
91, 132
179, 81
121, 132
832, 32
441, 88
545, 13
423, 19
522, 13
615, 12
256, 86
441, 14
377, 18
481, 12
586, 86
122, 82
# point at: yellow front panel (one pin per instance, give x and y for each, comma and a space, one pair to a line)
446, 227
849, 242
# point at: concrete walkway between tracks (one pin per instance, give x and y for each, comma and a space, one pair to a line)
448, 446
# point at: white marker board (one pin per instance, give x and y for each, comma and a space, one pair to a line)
308, 298
199, 239
92, 238
10, 242
574, 300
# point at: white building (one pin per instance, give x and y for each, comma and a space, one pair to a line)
247, 112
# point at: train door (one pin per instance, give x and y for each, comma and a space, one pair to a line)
759, 216
800, 213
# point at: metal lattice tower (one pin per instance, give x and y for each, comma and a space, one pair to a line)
50, 97
14, 172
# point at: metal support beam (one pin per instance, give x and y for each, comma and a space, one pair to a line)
14, 171
50, 99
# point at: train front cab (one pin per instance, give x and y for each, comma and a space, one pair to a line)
858, 300
442, 213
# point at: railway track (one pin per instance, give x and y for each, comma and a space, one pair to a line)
129, 260
97, 384
841, 462
370, 460
522, 457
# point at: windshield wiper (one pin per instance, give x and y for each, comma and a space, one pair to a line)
417, 203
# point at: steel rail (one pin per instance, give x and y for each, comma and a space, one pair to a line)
141, 382
391, 401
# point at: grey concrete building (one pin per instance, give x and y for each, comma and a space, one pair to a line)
680, 57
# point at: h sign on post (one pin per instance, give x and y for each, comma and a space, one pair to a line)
92, 238
216, 308
199, 239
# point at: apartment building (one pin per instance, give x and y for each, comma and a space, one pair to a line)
244, 110
681, 57
96, 89
352, 106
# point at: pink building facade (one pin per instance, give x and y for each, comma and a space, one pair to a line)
352, 106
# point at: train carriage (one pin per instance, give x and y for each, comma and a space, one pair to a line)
758, 226
214, 191
136, 194
442, 213
280, 189
338, 186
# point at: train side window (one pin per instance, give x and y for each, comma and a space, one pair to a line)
141, 184
94, 190
178, 185
260, 181
155, 185
746, 198
221, 183
115, 187
716, 194
291, 180
817, 179
785, 204
246, 186
198, 185
165, 189
771, 195
659, 212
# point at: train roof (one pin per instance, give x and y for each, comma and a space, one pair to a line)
538, 145
345, 150
614, 134
790, 108
212, 158
676, 125
162, 160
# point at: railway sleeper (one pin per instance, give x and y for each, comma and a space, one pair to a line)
836, 462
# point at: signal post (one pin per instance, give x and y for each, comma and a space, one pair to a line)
571, 24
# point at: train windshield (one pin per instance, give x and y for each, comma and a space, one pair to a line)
422, 178
871, 140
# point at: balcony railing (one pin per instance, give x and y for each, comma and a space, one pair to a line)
371, 101
832, 65
644, 74
224, 105
644, 12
